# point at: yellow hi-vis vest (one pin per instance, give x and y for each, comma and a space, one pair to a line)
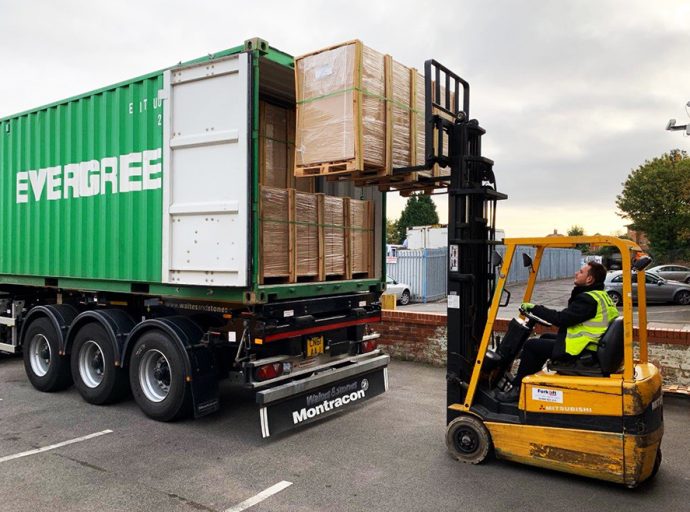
589, 332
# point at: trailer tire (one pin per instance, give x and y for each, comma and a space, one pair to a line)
468, 440
95, 375
157, 377
47, 370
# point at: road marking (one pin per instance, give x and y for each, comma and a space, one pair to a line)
53, 446
274, 489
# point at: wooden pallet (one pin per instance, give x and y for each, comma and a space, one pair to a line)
326, 168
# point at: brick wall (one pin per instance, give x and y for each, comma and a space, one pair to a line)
422, 337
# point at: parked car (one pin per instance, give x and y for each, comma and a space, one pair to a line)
658, 289
672, 272
401, 290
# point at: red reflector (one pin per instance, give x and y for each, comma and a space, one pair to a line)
368, 346
269, 371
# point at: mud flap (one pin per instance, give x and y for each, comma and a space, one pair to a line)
204, 382
301, 402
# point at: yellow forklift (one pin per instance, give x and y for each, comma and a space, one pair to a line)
598, 416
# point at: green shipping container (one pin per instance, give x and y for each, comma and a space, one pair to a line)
151, 185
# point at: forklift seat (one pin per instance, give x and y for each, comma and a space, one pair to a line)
607, 359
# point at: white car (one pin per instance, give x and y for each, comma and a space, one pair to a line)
401, 290
672, 272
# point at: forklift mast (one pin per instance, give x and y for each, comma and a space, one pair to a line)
472, 198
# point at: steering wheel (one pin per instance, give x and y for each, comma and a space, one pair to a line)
534, 317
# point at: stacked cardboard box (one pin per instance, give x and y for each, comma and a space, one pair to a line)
360, 114
314, 237
277, 148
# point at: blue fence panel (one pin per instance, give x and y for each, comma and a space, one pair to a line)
425, 270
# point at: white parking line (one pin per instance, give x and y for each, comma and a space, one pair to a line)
274, 489
53, 446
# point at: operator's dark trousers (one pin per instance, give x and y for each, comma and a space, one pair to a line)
534, 354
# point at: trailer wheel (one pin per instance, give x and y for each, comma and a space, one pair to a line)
95, 375
157, 378
46, 368
468, 440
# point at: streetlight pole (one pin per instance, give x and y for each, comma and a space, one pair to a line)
671, 125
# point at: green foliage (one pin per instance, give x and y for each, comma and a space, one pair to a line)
419, 211
576, 230
656, 198
391, 232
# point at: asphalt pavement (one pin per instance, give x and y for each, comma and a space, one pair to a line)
555, 294
386, 454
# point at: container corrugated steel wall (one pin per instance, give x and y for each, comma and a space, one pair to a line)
110, 235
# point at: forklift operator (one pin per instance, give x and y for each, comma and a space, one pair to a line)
580, 326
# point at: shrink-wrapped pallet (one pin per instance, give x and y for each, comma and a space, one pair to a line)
401, 112
361, 235
341, 110
333, 236
275, 233
307, 235
276, 150
419, 120
273, 154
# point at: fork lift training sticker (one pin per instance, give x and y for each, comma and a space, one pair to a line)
547, 395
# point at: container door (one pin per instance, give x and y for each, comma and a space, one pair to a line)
206, 190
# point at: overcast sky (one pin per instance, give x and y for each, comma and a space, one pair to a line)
573, 95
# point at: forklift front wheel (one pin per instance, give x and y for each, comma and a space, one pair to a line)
468, 440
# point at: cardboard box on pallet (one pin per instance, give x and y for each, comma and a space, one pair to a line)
341, 110
314, 237
276, 149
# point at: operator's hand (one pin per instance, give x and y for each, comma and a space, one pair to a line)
526, 306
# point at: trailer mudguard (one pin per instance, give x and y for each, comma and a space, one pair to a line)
60, 315
116, 322
200, 368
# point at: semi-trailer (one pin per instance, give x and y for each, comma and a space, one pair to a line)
142, 249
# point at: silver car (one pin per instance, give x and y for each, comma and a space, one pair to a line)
672, 272
658, 289
401, 290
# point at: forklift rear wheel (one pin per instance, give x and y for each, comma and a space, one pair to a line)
468, 440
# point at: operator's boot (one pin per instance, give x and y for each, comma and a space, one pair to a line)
512, 395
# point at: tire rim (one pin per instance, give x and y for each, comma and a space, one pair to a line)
466, 441
154, 375
39, 355
684, 298
91, 364
616, 299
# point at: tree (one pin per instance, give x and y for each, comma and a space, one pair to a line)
576, 230
391, 232
656, 198
419, 211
